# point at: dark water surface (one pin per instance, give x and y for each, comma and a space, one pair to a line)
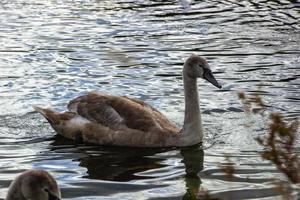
52, 51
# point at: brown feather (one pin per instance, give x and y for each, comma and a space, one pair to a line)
117, 110
113, 120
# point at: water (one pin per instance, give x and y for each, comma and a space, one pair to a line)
53, 51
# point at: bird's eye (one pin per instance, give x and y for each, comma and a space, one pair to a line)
207, 70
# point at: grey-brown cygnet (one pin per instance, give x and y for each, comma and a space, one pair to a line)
34, 185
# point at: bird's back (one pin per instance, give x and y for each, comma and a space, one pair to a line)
118, 111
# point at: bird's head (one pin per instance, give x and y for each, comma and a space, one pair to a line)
39, 185
197, 67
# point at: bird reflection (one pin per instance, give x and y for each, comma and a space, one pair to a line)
112, 163
120, 164
125, 164
193, 160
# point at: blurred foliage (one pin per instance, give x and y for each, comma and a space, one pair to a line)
279, 142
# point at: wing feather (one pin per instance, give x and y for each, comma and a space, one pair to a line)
96, 109
115, 111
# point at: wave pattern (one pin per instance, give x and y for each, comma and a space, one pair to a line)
52, 51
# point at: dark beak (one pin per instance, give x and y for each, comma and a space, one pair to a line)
207, 75
52, 197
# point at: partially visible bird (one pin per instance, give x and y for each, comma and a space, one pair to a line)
34, 185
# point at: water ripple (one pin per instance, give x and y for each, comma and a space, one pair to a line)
53, 51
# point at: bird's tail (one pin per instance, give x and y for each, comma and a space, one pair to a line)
50, 115
54, 118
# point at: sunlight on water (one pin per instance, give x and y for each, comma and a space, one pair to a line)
53, 51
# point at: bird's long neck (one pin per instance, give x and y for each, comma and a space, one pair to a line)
192, 127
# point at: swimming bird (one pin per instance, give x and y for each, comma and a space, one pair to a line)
122, 121
34, 185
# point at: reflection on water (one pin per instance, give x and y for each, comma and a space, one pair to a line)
122, 164
53, 51
192, 157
